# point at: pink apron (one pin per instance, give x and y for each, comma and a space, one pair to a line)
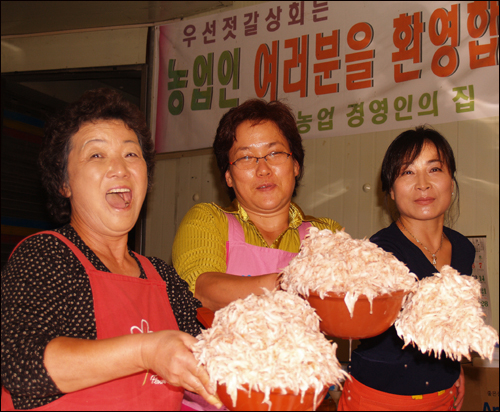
243, 259
122, 305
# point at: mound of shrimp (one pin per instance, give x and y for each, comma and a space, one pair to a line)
268, 341
444, 316
335, 262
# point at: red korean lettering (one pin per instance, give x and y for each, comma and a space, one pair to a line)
274, 24
189, 31
296, 13
407, 38
327, 52
319, 7
266, 70
359, 75
250, 24
482, 22
450, 30
209, 32
230, 26
299, 48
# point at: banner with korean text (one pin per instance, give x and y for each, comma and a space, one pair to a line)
343, 67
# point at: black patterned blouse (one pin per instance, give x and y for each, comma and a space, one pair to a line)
46, 294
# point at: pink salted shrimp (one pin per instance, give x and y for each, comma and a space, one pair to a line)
445, 315
337, 263
268, 341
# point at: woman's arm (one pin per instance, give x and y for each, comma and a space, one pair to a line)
216, 290
45, 294
75, 364
200, 243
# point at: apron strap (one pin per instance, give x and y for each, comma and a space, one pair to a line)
235, 231
303, 230
149, 269
83, 259
146, 264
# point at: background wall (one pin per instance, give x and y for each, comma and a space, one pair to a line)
336, 170
52, 36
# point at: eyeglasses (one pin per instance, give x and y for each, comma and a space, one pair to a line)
272, 159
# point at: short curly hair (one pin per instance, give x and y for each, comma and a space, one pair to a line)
257, 111
93, 106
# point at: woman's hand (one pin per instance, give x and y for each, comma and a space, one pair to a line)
460, 384
169, 355
75, 364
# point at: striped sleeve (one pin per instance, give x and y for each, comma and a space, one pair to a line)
200, 243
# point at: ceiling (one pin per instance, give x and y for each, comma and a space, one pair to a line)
27, 18
31, 17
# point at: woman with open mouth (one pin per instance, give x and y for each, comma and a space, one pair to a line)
87, 324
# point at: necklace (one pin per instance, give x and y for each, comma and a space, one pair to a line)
434, 259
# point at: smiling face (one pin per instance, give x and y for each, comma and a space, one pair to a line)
263, 189
423, 189
107, 178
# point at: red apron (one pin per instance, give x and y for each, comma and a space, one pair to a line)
243, 259
122, 305
358, 397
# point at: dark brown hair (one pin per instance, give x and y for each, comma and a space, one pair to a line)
407, 147
257, 111
94, 105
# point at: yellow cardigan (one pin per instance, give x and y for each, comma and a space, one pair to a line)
200, 242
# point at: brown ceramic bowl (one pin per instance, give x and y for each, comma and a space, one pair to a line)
280, 401
336, 319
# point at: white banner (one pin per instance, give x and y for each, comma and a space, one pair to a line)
480, 272
343, 67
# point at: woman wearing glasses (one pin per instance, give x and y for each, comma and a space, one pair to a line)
228, 253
